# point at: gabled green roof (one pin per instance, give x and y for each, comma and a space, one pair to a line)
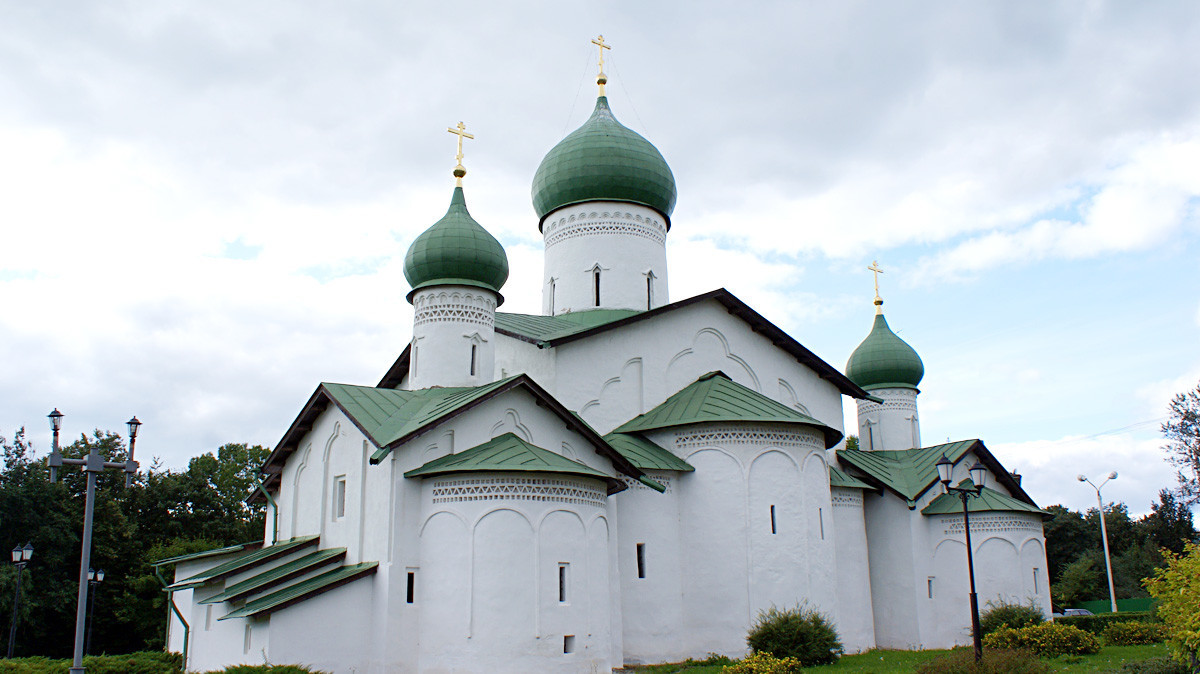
546, 328
603, 161
645, 454
907, 472
292, 594
456, 250
839, 479
989, 500
206, 553
509, 453
245, 562
715, 397
883, 360
277, 575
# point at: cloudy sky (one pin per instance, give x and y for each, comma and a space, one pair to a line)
204, 207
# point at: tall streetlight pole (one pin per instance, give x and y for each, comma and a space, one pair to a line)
1112, 595
978, 475
94, 580
93, 465
20, 557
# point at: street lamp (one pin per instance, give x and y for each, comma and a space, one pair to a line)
94, 580
20, 557
978, 475
1112, 595
93, 465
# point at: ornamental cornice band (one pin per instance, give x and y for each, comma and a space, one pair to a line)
725, 435
518, 489
604, 223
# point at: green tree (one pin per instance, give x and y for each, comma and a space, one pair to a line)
1182, 431
1177, 588
1067, 539
1169, 524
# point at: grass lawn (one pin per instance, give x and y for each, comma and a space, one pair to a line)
1108, 659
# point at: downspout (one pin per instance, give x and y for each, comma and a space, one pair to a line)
186, 628
258, 484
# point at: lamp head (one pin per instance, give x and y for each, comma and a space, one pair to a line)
27, 552
55, 420
1081, 477
16, 554
1112, 475
944, 469
133, 425
978, 475
100, 576
91, 573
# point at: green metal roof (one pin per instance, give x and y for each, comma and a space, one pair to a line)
837, 478
245, 562
988, 500
715, 397
292, 594
509, 453
546, 328
205, 553
277, 575
456, 250
907, 472
645, 454
603, 161
883, 360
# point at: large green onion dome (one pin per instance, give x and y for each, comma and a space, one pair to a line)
603, 161
883, 360
456, 250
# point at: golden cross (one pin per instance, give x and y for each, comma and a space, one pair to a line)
876, 268
461, 132
601, 79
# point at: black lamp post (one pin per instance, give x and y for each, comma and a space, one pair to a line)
20, 557
94, 580
93, 465
978, 475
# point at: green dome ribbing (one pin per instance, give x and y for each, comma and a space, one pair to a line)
883, 360
603, 161
456, 250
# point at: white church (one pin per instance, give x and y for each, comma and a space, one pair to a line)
622, 479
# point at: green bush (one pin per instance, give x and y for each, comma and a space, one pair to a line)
149, 662
764, 663
800, 633
1001, 661
712, 660
1002, 614
1155, 666
1097, 623
1046, 639
266, 669
1133, 634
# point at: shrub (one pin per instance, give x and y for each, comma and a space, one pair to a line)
1096, 624
266, 669
800, 633
764, 663
712, 660
1155, 666
149, 662
1046, 639
1002, 614
1177, 588
1003, 661
1133, 634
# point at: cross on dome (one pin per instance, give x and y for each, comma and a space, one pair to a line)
878, 300
461, 132
601, 79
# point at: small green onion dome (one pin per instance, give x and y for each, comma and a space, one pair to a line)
456, 250
603, 161
883, 360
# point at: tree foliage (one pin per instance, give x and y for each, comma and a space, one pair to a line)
164, 513
1182, 431
1177, 588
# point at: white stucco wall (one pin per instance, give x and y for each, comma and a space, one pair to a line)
892, 425
453, 337
625, 243
855, 621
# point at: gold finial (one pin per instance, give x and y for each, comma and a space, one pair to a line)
878, 300
461, 132
601, 79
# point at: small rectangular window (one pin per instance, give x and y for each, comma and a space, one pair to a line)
568, 643
821, 519
339, 497
208, 618
413, 366
649, 291
411, 594
551, 297
773, 519
929, 587
562, 582
596, 286
641, 560
1035, 582
474, 353
246, 639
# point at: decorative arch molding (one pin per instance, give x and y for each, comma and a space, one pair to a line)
774, 450
444, 511
612, 390
741, 466
511, 422
569, 452
679, 359
325, 496
1036, 543
819, 458
479, 520
787, 394
1000, 539
548, 513
950, 541
296, 487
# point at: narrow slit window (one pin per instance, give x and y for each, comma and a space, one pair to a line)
821, 520
474, 353
568, 643
208, 618
339, 497
929, 586
246, 638
773, 520
562, 582
551, 297
596, 286
411, 593
649, 291
413, 367
641, 560
1035, 580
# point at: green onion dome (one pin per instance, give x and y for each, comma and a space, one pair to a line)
883, 360
603, 161
456, 250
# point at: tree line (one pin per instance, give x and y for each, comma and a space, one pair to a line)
164, 513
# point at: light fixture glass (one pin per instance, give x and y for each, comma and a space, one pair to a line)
16, 554
978, 475
944, 468
55, 419
133, 425
100, 576
27, 552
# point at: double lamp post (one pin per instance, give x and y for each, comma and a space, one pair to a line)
978, 474
20, 557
